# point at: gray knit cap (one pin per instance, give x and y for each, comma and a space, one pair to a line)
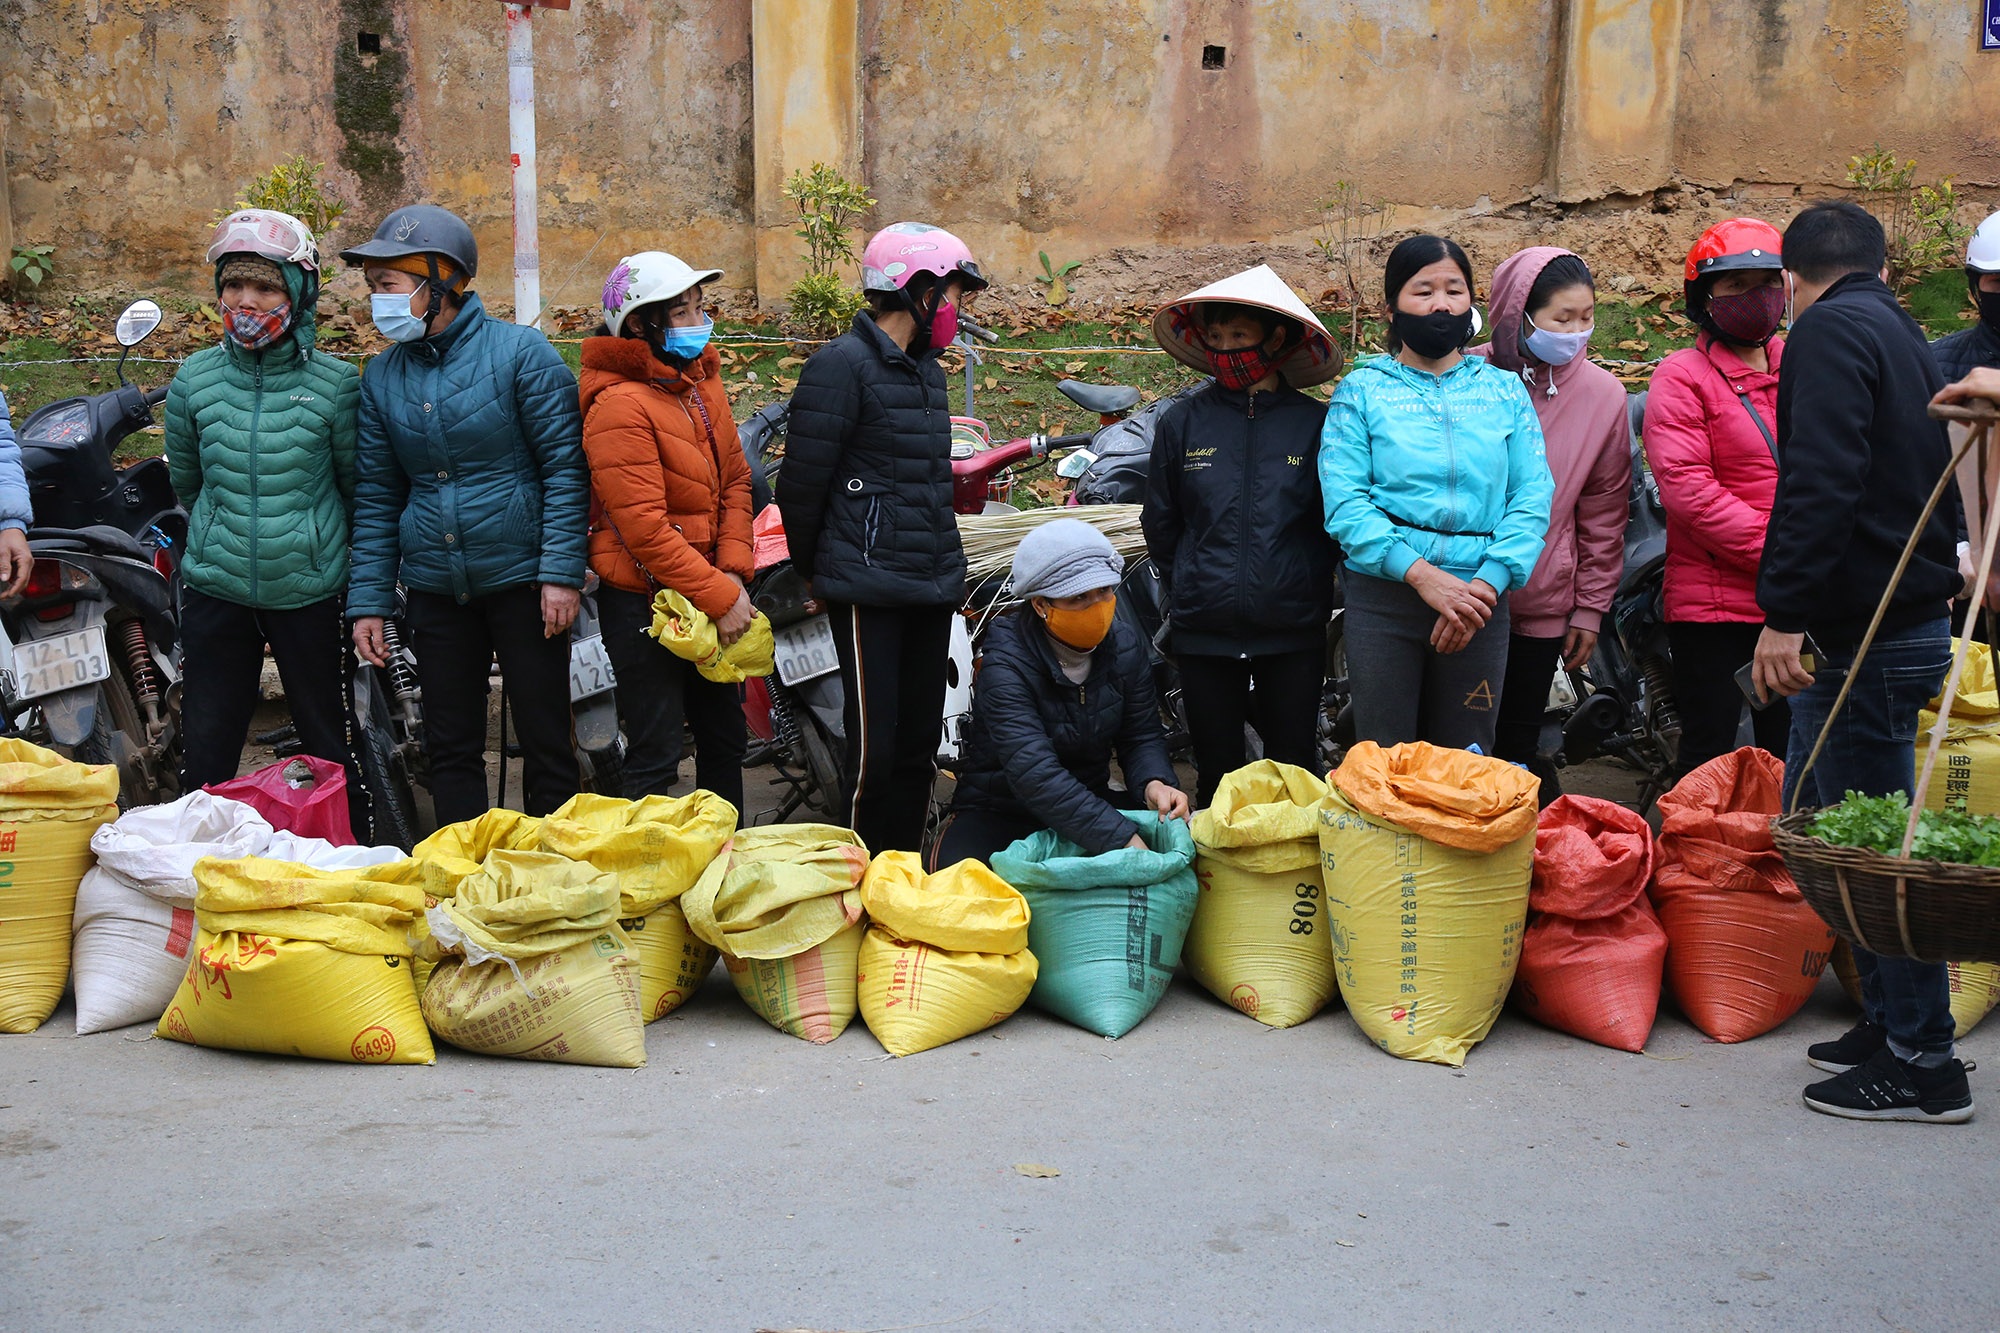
1063, 558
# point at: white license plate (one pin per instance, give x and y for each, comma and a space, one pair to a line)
589, 668
50, 666
805, 650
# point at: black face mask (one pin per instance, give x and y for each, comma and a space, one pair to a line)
1989, 309
1435, 335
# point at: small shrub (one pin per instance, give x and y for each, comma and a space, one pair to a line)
31, 265
821, 304
297, 186
1920, 220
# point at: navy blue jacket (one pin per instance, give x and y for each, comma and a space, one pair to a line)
1041, 746
469, 471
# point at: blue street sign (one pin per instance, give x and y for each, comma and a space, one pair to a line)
1989, 31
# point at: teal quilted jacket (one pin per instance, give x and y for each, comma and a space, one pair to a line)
261, 449
470, 473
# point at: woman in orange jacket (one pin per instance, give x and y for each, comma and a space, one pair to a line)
671, 509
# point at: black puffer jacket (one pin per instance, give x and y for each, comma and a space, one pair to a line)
1959, 354
1234, 520
1041, 746
866, 487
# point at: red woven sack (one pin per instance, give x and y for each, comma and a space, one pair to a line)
315, 808
1592, 957
1743, 948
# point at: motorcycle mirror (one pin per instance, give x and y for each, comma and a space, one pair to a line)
1075, 464
137, 322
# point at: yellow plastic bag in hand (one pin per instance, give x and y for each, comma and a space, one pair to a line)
1258, 940
656, 848
783, 905
684, 630
945, 955
49, 808
293, 960
534, 965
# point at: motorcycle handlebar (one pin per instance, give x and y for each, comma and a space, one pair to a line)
984, 335
154, 397
1070, 441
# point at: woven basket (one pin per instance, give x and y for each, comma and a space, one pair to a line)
1934, 911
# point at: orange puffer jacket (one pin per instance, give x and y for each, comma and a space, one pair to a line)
664, 491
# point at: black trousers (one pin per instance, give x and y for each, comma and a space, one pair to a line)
222, 654
660, 698
455, 644
1524, 702
1284, 709
1707, 655
892, 673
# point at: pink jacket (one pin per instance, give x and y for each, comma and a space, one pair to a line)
1717, 476
1589, 443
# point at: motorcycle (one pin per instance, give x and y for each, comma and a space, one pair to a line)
1622, 704
797, 713
92, 643
389, 718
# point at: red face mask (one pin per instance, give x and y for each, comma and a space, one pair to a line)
1241, 368
1748, 318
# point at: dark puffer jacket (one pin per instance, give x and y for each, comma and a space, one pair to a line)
1959, 354
866, 487
1041, 746
1233, 518
470, 474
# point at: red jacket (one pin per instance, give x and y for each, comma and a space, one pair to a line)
1717, 476
664, 491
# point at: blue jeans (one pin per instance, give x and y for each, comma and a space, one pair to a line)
1872, 750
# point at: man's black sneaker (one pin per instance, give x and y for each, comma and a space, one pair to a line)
1852, 1048
1885, 1088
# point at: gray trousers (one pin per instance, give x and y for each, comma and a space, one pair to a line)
1404, 689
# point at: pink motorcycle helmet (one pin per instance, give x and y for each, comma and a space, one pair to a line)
902, 250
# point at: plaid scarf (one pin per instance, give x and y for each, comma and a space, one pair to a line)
1241, 368
253, 330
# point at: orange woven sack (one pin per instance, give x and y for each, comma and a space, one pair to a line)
1452, 797
1743, 948
1594, 952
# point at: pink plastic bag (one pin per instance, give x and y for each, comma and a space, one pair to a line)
303, 795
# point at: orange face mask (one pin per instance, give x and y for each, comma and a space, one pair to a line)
1082, 630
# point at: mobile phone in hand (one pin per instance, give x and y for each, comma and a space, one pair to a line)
1809, 656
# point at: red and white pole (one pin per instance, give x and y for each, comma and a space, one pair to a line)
521, 144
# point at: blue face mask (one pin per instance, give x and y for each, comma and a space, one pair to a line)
1554, 349
393, 320
687, 343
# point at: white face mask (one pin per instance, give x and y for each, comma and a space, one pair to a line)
393, 320
1555, 349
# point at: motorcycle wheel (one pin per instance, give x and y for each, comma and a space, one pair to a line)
117, 738
392, 802
607, 770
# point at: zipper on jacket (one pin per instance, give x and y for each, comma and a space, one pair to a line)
869, 528
256, 421
1243, 503
1450, 463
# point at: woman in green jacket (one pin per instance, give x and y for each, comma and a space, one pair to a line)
260, 442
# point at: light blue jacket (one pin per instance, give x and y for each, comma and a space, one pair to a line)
1446, 468
16, 509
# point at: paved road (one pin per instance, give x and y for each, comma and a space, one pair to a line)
1215, 1175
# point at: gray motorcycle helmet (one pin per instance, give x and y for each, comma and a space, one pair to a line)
421, 229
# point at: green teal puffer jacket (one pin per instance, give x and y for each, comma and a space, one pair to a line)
470, 476
261, 449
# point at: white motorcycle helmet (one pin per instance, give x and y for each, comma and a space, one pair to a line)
1982, 252
641, 279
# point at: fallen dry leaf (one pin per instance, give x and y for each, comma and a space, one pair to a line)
1631, 345
1035, 1171
1073, 366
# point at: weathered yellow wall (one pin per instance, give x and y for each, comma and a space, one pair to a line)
1087, 128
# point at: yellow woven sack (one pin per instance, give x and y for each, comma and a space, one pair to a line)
1968, 770
1425, 936
1258, 940
656, 848
783, 904
533, 965
49, 808
686, 631
297, 961
455, 851
1975, 987
945, 955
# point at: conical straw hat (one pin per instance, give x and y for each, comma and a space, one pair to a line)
1316, 360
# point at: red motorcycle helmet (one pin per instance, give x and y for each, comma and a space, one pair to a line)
1733, 244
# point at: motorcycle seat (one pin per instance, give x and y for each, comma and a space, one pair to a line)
100, 538
1103, 399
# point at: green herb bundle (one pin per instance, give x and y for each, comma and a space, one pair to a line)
1877, 823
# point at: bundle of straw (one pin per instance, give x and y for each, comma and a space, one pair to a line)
990, 539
